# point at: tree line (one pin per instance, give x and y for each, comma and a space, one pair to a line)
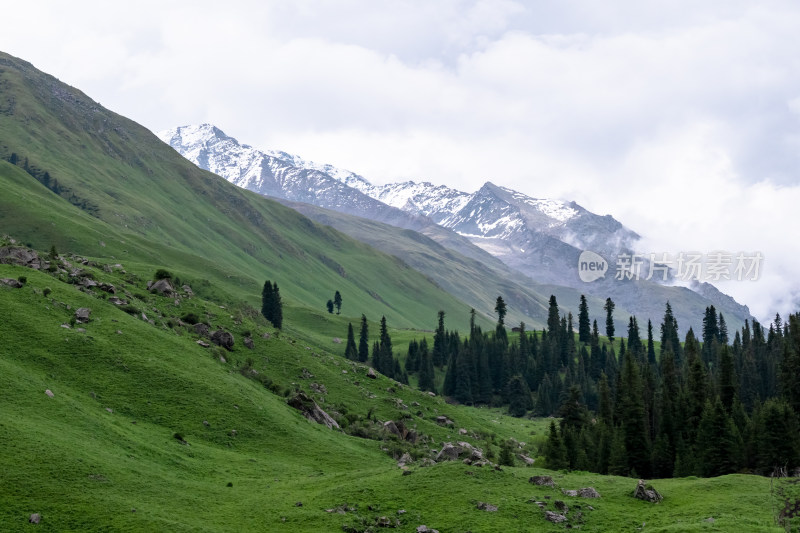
703, 407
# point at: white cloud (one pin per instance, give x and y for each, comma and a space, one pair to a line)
680, 119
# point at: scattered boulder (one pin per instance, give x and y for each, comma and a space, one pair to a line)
337, 340
425, 529
311, 410
163, 287
542, 481
13, 283
188, 290
371, 373
17, 255
462, 431
248, 342
222, 338
116, 301
35, 518
483, 506
444, 421
203, 344
82, 315
452, 452
391, 427
404, 460
201, 329
529, 461
554, 517
265, 336
588, 492
561, 506
49, 393
647, 493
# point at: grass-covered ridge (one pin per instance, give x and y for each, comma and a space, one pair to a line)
151, 207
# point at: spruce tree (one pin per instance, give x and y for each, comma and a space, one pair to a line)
277, 306
553, 318
584, 327
651, 347
440, 343
555, 453
519, 397
329, 306
609, 308
363, 340
718, 442
426, 373
350, 351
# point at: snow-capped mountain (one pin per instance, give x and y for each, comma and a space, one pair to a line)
540, 238
280, 175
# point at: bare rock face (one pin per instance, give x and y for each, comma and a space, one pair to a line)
647, 493
222, 338
311, 410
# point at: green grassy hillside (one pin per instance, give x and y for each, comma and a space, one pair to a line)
147, 430
126, 195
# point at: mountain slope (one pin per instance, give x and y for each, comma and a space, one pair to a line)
536, 239
113, 189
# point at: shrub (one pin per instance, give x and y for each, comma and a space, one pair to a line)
163, 274
47, 291
130, 309
190, 318
22, 279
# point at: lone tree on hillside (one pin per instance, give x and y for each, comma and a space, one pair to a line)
337, 301
271, 305
329, 305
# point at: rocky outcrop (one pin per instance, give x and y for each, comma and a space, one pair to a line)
17, 255
311, 410
13, 283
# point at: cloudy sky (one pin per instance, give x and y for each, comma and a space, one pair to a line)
679, 118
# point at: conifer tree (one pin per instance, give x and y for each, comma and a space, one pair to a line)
337, 301
651, 347
555, 453
329, 306
584, 327
718, 441
426, 374
440, 343
553, 319
728, 382
363, 340
271, 305
609, 308
350, 351
519, 397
